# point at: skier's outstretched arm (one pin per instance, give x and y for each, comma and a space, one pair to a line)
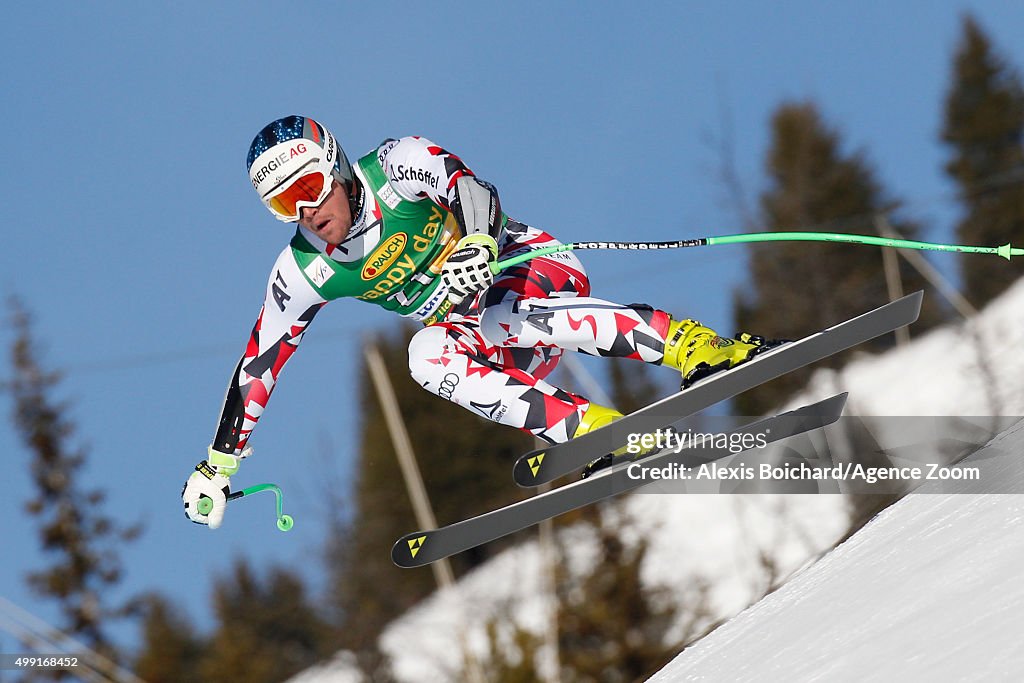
288, 307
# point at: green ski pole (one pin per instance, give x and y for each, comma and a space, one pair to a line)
1005, 251
284, 522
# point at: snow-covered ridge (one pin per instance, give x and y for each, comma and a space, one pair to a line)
959, 369
930, 590
962, 368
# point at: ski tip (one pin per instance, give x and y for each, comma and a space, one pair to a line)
828, 410
917, 297
408, 550
837, 403
834, 407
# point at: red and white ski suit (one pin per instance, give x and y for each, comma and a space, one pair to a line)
491, 355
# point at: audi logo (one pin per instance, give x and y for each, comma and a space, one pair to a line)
448, 384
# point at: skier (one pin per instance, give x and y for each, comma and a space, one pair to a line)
410, 228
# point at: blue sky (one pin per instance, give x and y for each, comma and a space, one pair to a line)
143, 252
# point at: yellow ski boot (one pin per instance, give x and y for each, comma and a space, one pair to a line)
595, 417
698, 351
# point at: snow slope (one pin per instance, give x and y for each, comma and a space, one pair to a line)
929, 590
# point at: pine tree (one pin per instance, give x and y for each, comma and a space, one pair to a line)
611, 627
510, 662
267, 628
800, 287
82, 541
984, 126
171, 651
466, 464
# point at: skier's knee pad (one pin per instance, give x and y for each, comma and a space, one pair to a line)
499, 323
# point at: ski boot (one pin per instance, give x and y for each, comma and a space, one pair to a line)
698, 351
595, 417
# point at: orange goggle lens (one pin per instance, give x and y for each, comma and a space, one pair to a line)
311, 188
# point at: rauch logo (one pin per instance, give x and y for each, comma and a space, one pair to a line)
384, 256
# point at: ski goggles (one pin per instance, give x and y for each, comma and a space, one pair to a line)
308, 186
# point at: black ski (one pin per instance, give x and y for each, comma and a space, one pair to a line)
423, 547
544, 465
